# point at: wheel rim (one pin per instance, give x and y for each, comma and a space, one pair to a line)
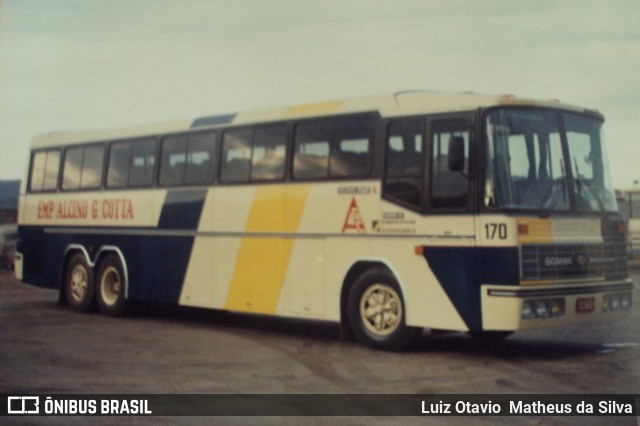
79, 283
110, 286
381, 309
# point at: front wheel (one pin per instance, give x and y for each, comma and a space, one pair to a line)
376, 311
110, 290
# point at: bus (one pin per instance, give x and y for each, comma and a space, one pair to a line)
388, 214
629, 208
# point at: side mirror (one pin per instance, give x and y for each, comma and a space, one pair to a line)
456, 154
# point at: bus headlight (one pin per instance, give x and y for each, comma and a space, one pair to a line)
543, 308
527, 310
616, 302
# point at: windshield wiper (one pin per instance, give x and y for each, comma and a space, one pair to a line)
580, 182
551, 196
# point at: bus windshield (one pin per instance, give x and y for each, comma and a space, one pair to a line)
546, 160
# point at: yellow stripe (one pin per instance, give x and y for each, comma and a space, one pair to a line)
312, 109
539, 231
262, 263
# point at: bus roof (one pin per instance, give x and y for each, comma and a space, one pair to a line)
388, 105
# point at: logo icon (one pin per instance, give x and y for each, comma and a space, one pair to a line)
353, 221
582, 260
23, 405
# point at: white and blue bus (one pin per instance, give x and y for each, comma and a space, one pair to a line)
388, 214
629, 208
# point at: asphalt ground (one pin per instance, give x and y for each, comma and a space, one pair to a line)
46, 348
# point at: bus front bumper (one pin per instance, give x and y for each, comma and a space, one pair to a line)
529, 307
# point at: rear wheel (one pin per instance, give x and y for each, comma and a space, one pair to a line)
376, 311
79, 284
110, 291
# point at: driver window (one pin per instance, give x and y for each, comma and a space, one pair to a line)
449, 188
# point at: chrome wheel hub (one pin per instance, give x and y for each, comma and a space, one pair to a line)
381, 309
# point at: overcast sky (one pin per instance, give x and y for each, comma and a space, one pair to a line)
99, 64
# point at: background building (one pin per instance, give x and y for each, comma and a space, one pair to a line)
9, 190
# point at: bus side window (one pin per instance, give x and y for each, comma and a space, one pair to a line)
449, 188
351, 145
45, 169
92, 167
236, 156
143, 160
404, 169
335, 147
269, 153
311, 158
201, 159
83, 167
72, 167
173, 160
131, 164
118, 168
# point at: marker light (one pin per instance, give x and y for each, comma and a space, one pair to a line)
616, 302
543, 308
527, 310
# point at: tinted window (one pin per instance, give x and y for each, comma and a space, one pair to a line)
44, 171
256, 155
174, 157
52, 170
119, 161
311, 158
404, 169
72, 168
131, 164
83, 167
236, 156
269, 151
449, 188
350, 153
143, 161
38, 164
332, 148
91, 176
201, 159
188, 159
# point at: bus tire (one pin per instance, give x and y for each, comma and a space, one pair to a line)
376, 311
79, 284
110, 287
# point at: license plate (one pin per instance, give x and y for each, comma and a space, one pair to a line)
585, 304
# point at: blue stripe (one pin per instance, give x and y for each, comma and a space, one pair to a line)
157, 264
164, 259
182, 209
462, 270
